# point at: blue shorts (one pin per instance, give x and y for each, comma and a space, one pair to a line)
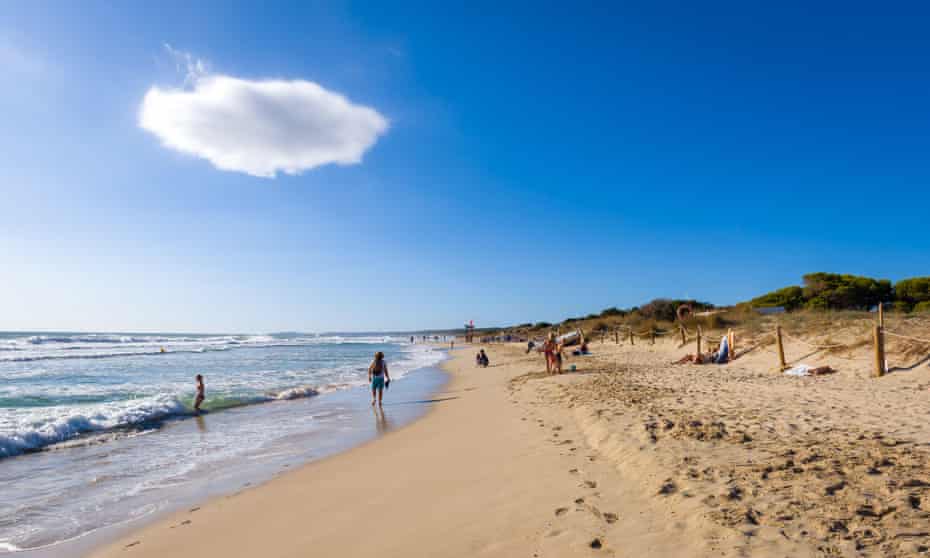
377, 382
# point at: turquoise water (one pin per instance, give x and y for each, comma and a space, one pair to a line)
98, 428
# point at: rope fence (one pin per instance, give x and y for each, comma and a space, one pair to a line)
918, 339
876, 338
878, 334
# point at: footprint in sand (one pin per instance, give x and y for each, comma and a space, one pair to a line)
559, 512
668, 487
610, 517
132, 544
590, 484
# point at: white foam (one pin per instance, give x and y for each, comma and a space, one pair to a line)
141, 399
8, 547
35, 428
297, 393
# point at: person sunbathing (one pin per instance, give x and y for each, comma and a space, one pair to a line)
695, 358
583, 350
699, 358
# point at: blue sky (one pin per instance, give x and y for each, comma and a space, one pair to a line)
537, 160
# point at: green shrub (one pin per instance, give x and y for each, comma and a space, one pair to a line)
923, 306
817, 303
913, 290
666, 310
542, 325
842, 292
901, 306
789, 297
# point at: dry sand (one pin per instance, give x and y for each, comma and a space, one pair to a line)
628, 456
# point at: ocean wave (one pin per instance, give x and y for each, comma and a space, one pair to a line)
296, 393
111, 354
40, 431
98, 346
38, 420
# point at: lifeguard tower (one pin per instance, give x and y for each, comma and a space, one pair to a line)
469, 331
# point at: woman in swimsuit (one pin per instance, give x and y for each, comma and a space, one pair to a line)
377, 374
549, 350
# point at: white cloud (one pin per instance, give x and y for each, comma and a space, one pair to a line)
259, 127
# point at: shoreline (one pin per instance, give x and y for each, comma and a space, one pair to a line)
627, 455
480, 474
354, 427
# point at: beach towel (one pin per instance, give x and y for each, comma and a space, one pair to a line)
805, 370
799, 370
723, 354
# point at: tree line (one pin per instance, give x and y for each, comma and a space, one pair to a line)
834, 291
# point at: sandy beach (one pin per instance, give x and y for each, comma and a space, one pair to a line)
626, 456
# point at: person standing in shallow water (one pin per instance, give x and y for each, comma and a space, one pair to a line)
377, 376
200, 394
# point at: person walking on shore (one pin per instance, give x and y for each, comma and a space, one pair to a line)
378, 377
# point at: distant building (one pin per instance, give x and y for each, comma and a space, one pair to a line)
770, 310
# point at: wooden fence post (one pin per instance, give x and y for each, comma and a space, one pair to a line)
617, 335
631, 337
781, 348
699, 332
879, 352
881, 315
684, 340
731, 338
653, 331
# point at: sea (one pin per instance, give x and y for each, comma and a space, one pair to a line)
97, 430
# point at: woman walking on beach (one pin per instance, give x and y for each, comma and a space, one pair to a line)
377, 376
549, 351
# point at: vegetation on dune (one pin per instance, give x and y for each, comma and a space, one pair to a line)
833, 291
820, 292
665, 309
913, 294
790, 298
922, 306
